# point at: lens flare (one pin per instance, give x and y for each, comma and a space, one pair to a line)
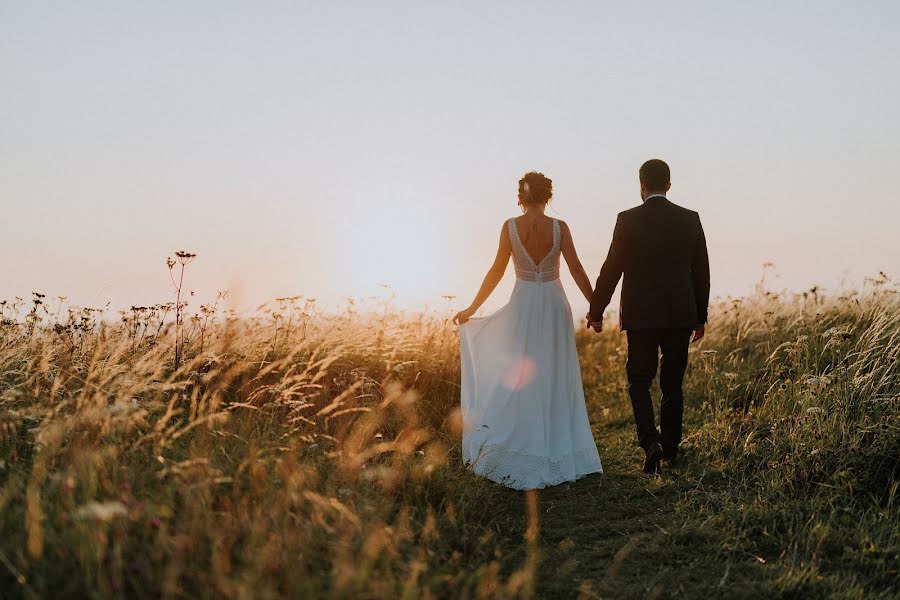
520, 374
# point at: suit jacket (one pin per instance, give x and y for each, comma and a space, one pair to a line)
660, 249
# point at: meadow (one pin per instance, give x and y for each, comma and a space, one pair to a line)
298, 454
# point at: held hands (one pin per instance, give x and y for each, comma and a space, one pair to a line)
463, 316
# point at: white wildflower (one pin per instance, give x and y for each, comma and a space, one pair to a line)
102, 511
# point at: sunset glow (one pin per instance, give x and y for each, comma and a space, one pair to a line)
257, 339
327, 151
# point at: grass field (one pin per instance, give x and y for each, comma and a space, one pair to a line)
298, 454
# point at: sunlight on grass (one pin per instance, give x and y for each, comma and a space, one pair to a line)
296, 453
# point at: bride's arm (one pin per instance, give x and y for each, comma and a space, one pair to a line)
493, 277
575, 266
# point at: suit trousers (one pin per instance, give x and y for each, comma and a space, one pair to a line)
644, 349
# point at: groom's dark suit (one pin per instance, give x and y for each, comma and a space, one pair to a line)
660, 249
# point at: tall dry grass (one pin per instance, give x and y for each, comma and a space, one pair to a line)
301, 454
802, 425
291, 453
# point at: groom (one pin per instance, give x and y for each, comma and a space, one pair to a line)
660, 249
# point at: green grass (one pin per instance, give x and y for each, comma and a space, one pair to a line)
298, 455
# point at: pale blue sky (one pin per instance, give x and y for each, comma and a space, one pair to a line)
322, 148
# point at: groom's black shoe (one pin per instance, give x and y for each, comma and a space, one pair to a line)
654, 456
670, 455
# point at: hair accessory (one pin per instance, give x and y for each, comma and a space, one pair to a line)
526, 189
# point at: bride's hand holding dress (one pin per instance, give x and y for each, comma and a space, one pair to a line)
493, 277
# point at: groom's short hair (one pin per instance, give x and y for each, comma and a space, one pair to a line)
655, 175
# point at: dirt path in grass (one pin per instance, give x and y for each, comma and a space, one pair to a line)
622, 535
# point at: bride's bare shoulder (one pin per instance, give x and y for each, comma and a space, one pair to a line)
565, 238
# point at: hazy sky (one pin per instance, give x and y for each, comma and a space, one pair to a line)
323, 148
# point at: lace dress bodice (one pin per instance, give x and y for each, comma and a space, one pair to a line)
526, 269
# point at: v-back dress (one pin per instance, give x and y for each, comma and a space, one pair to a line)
525, 424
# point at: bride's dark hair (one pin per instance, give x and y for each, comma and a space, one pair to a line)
535, 188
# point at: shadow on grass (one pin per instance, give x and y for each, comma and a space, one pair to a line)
621, 535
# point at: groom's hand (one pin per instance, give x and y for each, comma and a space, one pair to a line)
595, 325
699, 333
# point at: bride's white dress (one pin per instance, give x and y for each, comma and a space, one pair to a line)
525, 424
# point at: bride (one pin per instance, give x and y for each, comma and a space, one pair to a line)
525, 424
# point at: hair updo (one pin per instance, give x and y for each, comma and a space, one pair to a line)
535, 188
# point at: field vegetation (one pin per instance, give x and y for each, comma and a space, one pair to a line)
293, 453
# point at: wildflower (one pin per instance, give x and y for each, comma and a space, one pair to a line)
818, 381
102, 511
